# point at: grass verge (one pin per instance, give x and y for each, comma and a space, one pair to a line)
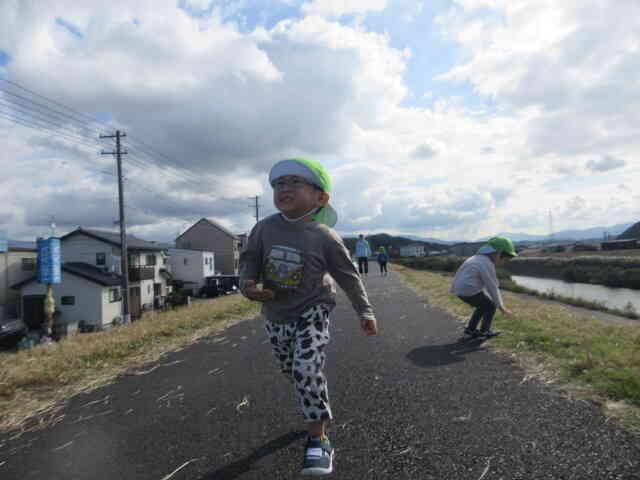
589, 359
34, 382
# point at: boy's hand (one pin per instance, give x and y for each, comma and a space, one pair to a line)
507, 313
252, 292
369, 326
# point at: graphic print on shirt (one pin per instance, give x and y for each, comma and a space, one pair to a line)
284, 268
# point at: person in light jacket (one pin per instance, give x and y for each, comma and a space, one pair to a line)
475, 278
363, 252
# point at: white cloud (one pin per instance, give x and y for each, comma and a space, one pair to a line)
219, 106
337, 8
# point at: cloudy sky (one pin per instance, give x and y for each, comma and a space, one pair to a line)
452, 119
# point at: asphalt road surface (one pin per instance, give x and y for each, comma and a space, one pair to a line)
410, 403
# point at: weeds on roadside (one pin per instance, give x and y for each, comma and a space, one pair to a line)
35, 379
600, 360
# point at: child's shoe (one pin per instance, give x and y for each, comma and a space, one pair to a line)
469, 334
489, 333
318, 457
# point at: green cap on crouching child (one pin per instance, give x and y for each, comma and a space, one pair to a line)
499, 244
313, 172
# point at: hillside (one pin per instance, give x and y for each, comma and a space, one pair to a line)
632, 232
386, 240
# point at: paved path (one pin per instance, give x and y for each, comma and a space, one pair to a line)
409, 404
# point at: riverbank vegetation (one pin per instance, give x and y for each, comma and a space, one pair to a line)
34, 381
616, 272
590, 359
578, 271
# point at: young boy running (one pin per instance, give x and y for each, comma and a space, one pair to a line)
292, 253
477, 274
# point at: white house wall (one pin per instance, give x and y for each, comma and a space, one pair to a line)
196, 269
82, 248
110, 310
88, 299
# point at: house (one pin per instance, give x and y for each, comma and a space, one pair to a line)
192, 267
148, 272
209, 235
412, 250
16, 264
87, 295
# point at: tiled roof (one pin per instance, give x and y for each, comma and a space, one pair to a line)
84, 270
133, 243
215, 224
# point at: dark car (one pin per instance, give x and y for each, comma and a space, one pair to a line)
11, 331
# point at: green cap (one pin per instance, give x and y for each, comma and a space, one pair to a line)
502, 244
315, 173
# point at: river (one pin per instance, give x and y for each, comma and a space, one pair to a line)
612, 297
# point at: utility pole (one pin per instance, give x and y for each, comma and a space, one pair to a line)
256, 206
124, 254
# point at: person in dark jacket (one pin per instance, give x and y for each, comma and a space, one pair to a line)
383, 258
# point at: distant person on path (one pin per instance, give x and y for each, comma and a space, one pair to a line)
296, 304
383, 258
363, 252
477, 275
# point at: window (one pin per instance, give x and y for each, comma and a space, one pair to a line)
101, 259
114, 295
148, 289
185, 261
68, 300
151, 259
28, 264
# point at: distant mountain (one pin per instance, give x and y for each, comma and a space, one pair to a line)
386, 240
595, 233
431, 240
632, 232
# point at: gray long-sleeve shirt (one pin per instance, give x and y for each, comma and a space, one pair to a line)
297, 261
476, 274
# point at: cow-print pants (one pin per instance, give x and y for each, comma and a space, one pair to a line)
299, 349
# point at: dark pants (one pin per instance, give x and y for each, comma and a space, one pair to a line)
363, 265
383, 267
485, 309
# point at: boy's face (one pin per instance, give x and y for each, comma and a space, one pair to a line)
294, 196
501, 259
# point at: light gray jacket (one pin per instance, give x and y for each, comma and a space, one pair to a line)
476, 274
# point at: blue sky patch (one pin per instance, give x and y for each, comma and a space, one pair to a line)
71, 28
4, 58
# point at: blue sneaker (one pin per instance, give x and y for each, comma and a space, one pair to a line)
489, 333
318, 457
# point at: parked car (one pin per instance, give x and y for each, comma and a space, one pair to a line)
11, 331
220, 285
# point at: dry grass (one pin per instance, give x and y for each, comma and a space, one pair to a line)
590, 359
34, 382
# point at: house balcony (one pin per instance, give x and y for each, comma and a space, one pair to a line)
137, 274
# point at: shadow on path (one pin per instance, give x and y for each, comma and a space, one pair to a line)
438, 355
237, 468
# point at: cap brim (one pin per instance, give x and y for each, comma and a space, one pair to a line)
327, 216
